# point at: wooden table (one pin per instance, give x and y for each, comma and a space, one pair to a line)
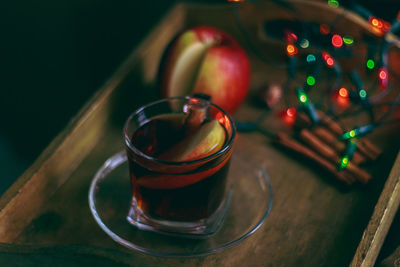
45, 218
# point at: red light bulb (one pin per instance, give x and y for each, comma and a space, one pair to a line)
291, 112
337, 41
289, 116
383, 77
324, 29
380, 26
290, 37
330, 62
382, 74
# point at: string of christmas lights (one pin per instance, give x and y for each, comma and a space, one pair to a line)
328, 48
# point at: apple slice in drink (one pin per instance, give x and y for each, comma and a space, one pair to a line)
173, 181
207, 140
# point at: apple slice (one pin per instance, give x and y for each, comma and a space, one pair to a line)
184, 64
208, 139
185, 70
173, 181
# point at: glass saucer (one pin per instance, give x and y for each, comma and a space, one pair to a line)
110, 195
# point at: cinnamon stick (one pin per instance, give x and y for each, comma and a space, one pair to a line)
329, 123
287, 141
365, 147
330, 154
372, 150
303, 121
320, 147
364, 151
330, 139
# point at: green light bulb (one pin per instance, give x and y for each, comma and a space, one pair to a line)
310, 58
348, 135
357, 132
303, 98
344, 162
304, 43
333, 3
348, 40
310, 80
362, 93
370, 64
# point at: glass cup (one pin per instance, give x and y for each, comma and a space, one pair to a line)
178, 153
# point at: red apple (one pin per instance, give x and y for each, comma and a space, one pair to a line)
206, 60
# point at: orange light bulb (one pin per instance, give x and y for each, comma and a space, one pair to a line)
343, 92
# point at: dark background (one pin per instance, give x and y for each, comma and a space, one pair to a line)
55, 54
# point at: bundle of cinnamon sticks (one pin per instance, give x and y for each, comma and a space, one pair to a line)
321, 144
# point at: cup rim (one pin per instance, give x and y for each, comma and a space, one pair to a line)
227, 146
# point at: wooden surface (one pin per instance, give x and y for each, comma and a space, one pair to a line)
314, 221
380, 222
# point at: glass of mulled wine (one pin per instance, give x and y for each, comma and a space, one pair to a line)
178, 153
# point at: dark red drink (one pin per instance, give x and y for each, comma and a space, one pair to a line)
180, 172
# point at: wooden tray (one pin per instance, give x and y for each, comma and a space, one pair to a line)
45, 216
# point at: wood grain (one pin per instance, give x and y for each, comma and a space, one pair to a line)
69, 148
313, 222
51, 169
67, 255
380, 222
